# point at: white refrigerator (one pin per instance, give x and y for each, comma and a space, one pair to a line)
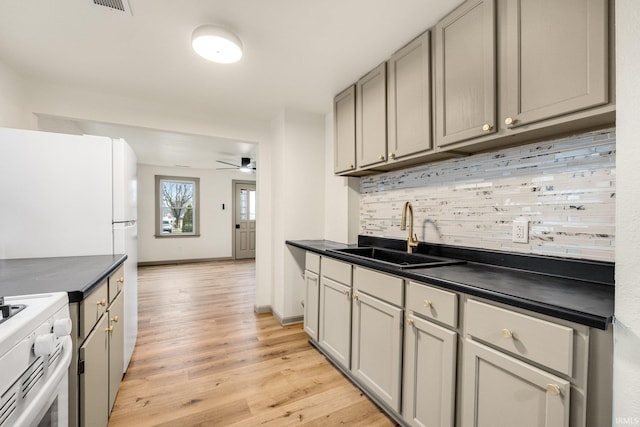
70, 195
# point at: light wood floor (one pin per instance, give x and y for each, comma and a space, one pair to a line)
203, 358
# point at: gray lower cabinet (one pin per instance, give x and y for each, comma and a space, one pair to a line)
311, 304
377, 327
312, 295
94, 377
377, 347
97, 363
429, 373
430, 354
499, 390
432, 357
116, 346
334, 330
101, 360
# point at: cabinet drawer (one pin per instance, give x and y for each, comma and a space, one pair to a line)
543, 342
312, 262
92, 307
383, 286
336, 270
433, 303
116, 281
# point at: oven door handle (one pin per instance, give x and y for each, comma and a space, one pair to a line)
41, 402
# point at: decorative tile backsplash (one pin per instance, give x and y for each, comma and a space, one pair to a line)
565, 188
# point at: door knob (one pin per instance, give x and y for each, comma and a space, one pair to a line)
237, 225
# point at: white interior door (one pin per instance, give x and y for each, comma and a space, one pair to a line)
245, 221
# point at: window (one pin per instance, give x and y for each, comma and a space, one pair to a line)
177, 206
247, 205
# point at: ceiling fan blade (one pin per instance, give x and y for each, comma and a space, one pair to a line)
227, 163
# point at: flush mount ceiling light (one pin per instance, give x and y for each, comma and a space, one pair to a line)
216, 44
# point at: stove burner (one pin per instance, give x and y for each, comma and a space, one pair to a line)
9, 310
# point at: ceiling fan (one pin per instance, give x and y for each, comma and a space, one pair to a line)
246, 165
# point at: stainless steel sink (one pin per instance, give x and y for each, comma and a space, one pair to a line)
398, 259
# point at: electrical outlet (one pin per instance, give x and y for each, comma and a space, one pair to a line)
520, 231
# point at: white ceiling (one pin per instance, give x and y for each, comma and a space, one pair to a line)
297, 54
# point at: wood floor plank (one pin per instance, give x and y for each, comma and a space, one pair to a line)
204, 358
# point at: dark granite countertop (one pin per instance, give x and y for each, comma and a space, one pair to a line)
76, 275
555, 292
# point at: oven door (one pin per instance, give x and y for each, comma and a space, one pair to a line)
50, 407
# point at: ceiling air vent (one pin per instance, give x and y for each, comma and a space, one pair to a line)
121, 6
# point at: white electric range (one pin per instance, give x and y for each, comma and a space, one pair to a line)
35, 353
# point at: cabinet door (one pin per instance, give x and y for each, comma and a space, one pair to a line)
465, 73
409, 99
335, 321
371, 117
557, 58
116, 346
377, 348
92, 308
344, 128
94, 377
116, 282
499, 390
429, 374
311, 302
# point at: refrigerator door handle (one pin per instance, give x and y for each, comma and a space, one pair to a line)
126, 223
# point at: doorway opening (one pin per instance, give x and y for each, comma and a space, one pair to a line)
244, 219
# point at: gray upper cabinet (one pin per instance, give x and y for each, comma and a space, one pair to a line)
344, 116
504, 72
556, 58
409, 99
371, 117
465, 73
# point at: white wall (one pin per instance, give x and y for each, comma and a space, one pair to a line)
264, 237
298, 173
627, 326
216, 228
342, 197
47, 99
12, 99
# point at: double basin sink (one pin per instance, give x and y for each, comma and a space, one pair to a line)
396, 258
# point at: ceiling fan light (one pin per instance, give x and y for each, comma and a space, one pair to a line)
216, 44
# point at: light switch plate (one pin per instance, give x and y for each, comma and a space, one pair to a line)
520, 231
